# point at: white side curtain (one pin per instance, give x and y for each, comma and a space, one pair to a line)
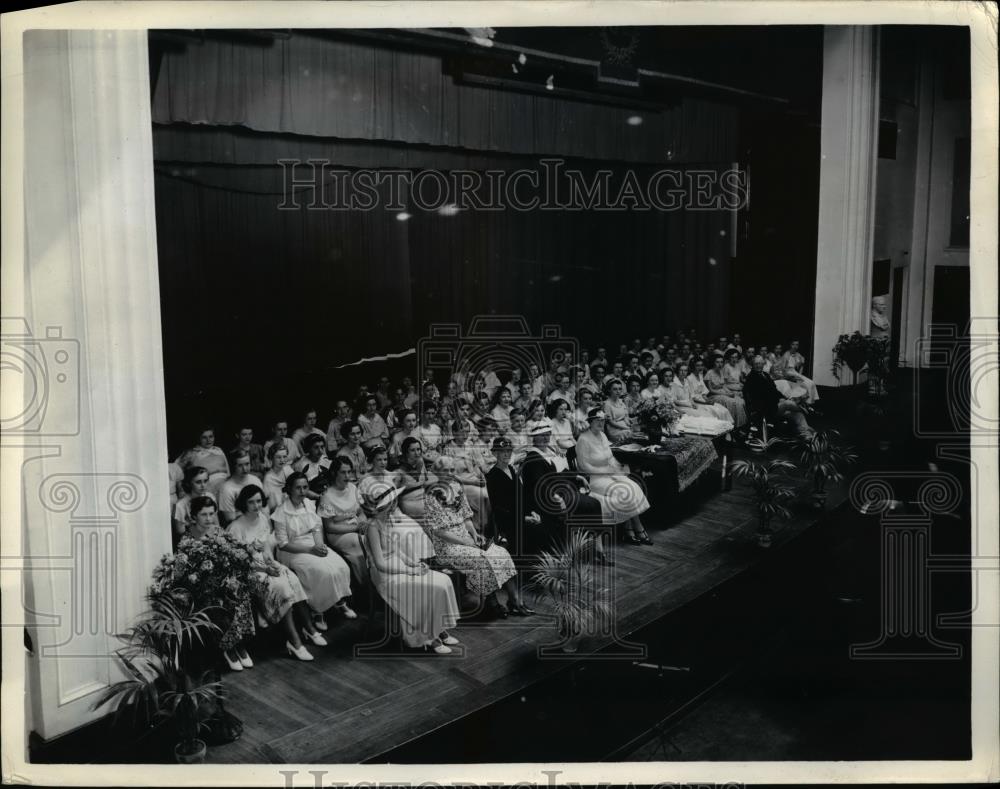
93, 491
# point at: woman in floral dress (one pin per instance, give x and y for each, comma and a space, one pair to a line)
277, 591
448, 522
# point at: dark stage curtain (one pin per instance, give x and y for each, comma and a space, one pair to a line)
262, 307
311, 85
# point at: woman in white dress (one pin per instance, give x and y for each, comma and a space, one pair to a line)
210, 457
501, 411
720, 392
622, 499
340, 509
423, 599
415, 478
787, 372
562, 428
277, 592
652, 390
411, 536
298, 532
689, 396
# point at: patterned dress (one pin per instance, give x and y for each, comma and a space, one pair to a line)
273, 594
447, 510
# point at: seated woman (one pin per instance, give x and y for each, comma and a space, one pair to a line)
210, 457
352, 449
276, 476
374, 431
412, 538
340, 509
415, 478
450, 402
719, 392
429, 432
408, 420
617, 423
732, 372
632, 398
518, 435
423, 599
585, 401
524, 398
237, 627
789, 368
501, 410
470, 470
689, 396
298, 532
535, 415
277, 591
652, 390
459, 547
562, 428
194, 484
622, 499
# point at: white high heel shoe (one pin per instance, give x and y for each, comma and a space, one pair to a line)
234, 663
450, 640
300, 652
317, 639
440, 649
319, 622
244, 658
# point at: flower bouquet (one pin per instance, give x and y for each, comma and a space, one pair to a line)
213, 572
657, 417
858, 351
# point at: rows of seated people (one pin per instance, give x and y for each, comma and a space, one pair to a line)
406, 486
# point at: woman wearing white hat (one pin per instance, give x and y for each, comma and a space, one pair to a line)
621, 497
423, 599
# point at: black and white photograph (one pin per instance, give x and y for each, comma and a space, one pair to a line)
493, 392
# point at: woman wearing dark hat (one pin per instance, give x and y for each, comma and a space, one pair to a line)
544, 472
622, 499
506, 491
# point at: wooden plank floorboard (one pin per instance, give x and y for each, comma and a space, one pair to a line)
345, 709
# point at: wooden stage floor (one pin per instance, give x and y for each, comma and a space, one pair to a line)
346, 709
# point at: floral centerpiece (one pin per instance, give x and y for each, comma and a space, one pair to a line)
657, 416
214, 572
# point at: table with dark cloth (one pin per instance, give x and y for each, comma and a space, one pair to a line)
677, 463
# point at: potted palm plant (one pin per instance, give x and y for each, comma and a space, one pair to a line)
771, 492
162, 687
566, 578
823, 460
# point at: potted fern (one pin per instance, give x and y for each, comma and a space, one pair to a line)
162, 687
823, 460
771, 492
566, 578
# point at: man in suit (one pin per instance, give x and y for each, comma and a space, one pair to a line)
763, 397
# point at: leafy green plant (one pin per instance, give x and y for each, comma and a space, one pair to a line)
824, 460
771, 490
565, 578
161, 687
859, 351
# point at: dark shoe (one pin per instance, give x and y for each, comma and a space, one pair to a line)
496, 610
521, 610
631, 539
644, 539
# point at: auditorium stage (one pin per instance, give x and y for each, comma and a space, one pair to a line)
345, 709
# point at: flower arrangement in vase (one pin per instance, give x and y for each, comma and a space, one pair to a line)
658, 417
